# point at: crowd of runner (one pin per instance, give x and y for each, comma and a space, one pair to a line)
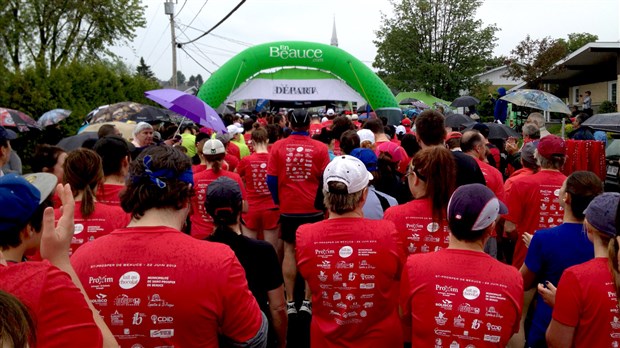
411, 235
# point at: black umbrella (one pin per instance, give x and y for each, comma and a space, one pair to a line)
130, 111
225, 109
362, 109
458, 121
75, 141
499, 131
605, 122
408, 101
464, 101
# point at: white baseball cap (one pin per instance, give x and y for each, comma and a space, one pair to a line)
330, 111
348, 170
366, 135
401, 130
233, 129
213, 147
354, 117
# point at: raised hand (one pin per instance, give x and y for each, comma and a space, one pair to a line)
55, 241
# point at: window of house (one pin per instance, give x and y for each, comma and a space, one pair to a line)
612, 91
576, 95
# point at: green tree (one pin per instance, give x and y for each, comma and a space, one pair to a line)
532, 59
192, 81
433, 45
54, 33
199, 80
577, 40
145, 70
180, 78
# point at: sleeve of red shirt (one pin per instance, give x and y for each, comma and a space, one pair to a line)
64, 319
324, 159
241, 167
272, 162
514, 204
567, 300
244, 194
241, 317
405, 293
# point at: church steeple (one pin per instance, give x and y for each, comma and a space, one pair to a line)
334, 41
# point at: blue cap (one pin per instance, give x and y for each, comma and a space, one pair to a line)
601, 213
367, 156
223, 194
473, 207
7, 134
18, 201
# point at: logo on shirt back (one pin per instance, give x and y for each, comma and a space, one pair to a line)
471, 292
129, 280
345, 251
164, 333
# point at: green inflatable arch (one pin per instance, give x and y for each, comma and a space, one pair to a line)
296, 53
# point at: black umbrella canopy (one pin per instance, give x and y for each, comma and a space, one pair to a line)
408, 101
604, 122
75, 141
464, 101
362, 109
499, 131
459, 120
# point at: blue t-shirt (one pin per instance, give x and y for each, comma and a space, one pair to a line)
552, 251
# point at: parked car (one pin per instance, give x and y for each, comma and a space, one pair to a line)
612, 157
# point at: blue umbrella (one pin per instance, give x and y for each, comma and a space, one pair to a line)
189, 106
53, 117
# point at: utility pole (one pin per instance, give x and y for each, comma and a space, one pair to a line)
169, 8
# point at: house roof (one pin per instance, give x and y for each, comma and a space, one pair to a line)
596, 61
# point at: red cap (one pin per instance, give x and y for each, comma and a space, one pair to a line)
551, 145
406, 122
453, 135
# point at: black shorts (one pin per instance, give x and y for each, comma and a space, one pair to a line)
290, 223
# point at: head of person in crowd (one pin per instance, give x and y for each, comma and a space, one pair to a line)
367, 138
23, 201
187, 128
536, 118
483, 129
601, 222
400, 132
326, 137
453, 141
299, 119
17, 327
49, 159
330, 114
578, 190
84, 172
279, 120
143, 135
341, 124
354, 117
108, 129
370, 160
160, 179
248, 125
375, 126
472, 213
260, 137
551, 152
406, 122
228, 119
432, 175
409, 142
224, 203
430, 128
349, 140
214, 152
6, 135
234, 132
345, 186
579, 119
472, 143
530, 132
274, 132
528, 158
115, 155
389, 131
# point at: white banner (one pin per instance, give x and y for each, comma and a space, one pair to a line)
296, 90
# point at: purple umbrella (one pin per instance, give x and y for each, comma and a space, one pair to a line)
189, 106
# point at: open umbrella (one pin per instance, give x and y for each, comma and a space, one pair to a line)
75, 141
125, 128
362, 108
499, 131
189, 106
605, 122
464, 101
458, 121
53, 117
535, 99
16, 119
407, 101
130, 111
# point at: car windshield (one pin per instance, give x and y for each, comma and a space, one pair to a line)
613, 149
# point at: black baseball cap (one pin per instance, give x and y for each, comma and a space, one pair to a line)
7, 134
473, 207
223, 194
299, 117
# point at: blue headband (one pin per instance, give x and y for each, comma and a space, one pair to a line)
156, 176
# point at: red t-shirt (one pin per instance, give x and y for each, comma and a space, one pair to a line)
202, 222
533, 204
494, 179
586, 300
515, 175
233, 149
230, 162
298, 161
418, 231
352, 266
248, 141
327, 123
197, 168
105, 219
109, 194
460, 297
176, 291
253, 171
59, 309
263, 121
315, 128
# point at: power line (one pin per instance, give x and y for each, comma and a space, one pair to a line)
146, 34
203, 6
216, 25
202, 54
239, 42
192, 58
159, 40
182, 7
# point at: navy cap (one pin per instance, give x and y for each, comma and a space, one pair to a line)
601, 213
367, 156
473, 207
223, 194
19, 199
299, 117
7, 134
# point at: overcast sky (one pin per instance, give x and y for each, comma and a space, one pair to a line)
260, 21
